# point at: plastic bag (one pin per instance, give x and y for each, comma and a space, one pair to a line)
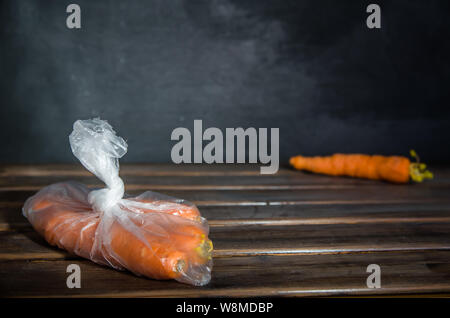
152, 234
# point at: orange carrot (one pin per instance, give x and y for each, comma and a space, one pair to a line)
193, 240
167, 248
186, 211
395, 169
161, 259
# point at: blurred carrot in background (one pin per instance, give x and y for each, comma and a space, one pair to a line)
396, 169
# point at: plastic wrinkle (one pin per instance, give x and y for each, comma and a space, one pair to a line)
151, 235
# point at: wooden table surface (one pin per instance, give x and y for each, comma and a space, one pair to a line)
292, 234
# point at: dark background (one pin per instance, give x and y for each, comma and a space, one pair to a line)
310, 67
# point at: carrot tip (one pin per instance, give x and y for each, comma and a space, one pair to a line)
292, 161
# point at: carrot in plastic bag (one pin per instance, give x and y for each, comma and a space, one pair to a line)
151, 235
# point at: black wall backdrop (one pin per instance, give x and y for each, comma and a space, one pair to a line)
310, 67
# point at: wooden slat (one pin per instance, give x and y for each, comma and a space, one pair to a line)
11, 218
340, 274
359, 195
329, 238
260, 239
285, 179
306, 211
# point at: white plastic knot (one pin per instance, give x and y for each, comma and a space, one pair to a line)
96, 145
104, 199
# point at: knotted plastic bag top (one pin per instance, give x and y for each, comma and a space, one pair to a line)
96, 145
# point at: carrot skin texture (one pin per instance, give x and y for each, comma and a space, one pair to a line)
187, 212
388, 168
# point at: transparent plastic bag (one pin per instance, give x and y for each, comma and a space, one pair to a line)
152, 234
